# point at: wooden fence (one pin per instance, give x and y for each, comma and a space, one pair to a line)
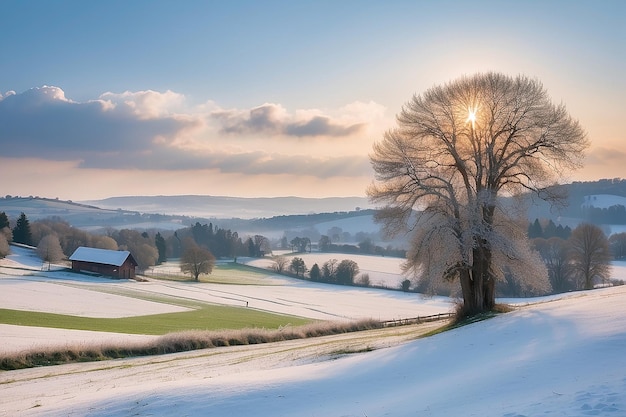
417, 320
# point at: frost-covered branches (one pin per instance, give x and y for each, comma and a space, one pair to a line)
455, 149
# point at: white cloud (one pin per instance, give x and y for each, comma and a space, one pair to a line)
274, 119
149, 103
150, 130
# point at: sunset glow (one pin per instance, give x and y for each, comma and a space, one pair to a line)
252, 99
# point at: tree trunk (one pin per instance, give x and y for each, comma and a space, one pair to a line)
478, 284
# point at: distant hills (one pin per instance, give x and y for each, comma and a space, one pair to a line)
275, 215
248, 216
222, 207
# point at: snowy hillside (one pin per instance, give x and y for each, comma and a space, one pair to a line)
603, 201
557, 356
228, 207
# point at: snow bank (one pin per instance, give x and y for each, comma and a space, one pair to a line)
16, 339
564, 357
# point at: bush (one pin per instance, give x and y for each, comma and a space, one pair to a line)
4, 246
364, 280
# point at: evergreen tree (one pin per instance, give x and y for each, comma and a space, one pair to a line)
159, 242
4, 220
550, 230
21, 231
535, 230
315, 273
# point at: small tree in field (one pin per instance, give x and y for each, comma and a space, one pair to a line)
315, 274
329, 270
280, 263
196, 260
455, 150
591, 255
346, 271
298, 266
49, 249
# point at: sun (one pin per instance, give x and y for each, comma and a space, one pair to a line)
471, 116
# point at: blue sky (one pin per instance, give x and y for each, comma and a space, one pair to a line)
272, 98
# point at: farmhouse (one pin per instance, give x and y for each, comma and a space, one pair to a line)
113, 263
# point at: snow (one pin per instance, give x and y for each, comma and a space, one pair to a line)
383, 271
562, 356
61, 298
18, 338
603, 201
100, 256
24, 286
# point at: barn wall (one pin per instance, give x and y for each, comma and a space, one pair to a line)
127, 270
108, 270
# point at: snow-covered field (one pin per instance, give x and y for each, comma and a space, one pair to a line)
24, 286
558, 357
383, 271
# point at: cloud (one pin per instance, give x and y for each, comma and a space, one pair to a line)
43, 122
147, 104
274, 119
254, 162
149, 130
604, 155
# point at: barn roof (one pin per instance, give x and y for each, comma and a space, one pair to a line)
100, 256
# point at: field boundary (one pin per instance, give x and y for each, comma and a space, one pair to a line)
417, 320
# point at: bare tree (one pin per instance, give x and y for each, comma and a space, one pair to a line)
196, 260
103, 242
145, 254
49, 249
591, 255
5, 249
329, 270
617, 242
280, 262
457, 148
555, 252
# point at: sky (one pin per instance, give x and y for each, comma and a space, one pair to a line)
272, 98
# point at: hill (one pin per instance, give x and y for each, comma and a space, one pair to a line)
222, 207
553, 356
272, 217
342, 213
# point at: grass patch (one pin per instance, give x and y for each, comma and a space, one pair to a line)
460, 320
228, 273
180, 342
202, 317
343, 352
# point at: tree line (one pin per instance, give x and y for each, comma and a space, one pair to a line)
56, 239
331, 272
582, 260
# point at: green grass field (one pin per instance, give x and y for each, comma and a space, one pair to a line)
230, 273
203, 317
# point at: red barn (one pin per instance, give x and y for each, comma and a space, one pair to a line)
113, 263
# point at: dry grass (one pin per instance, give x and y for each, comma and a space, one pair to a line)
179, 342
462, 316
